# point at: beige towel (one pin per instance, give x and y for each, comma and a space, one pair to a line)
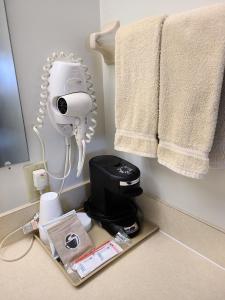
137, 86
191, 75
217, 153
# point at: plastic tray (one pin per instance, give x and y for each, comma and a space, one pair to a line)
100, 236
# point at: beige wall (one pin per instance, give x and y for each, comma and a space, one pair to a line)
38, 28
202, 198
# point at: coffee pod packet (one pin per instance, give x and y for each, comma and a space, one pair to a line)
69, 239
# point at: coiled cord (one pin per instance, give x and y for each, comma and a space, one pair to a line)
91, 128
44, 91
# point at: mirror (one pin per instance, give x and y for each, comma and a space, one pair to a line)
13, 144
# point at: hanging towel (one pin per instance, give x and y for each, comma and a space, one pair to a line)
137, 86
217, 153
191, 75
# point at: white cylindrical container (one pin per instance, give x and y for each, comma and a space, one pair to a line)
50, 208
85, 220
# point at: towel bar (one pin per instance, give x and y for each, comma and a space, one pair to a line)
104, 42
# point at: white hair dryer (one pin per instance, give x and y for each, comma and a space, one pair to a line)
69, 103
68, 95
74, 109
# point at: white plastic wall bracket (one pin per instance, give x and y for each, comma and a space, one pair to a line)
104, 42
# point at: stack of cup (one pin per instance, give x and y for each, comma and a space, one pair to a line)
50, 208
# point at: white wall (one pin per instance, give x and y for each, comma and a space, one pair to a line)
202, 198
38, 28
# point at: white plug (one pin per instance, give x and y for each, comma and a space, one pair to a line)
40, 179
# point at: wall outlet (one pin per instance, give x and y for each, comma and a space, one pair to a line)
33, 194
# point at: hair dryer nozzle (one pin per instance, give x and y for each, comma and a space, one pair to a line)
74, 105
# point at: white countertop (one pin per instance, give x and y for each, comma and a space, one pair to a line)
158, 268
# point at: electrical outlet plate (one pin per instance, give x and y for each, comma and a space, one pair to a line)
33, 194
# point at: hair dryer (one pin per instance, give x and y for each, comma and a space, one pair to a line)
74, 109
69, 103
69, 98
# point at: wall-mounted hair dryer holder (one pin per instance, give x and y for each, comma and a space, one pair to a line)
68, 96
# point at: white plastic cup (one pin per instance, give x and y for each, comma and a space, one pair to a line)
50, 208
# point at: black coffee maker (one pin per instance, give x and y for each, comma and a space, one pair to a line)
114, 184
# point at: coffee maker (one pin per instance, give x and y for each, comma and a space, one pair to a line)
114, 184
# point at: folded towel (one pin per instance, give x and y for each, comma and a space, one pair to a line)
137, 86
191, 74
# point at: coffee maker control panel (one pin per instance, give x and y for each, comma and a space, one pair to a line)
115, 169
124, 169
